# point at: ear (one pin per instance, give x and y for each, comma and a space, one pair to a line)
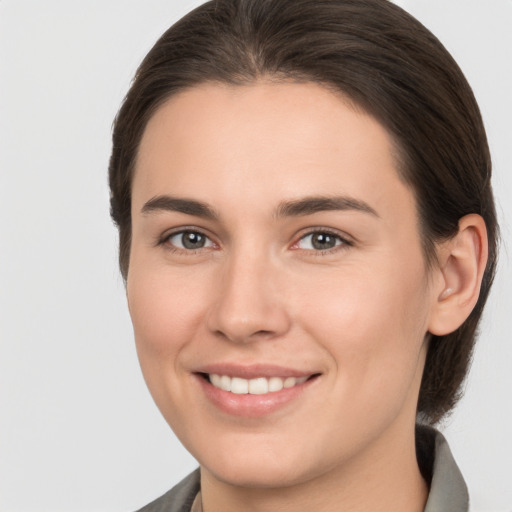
461, 265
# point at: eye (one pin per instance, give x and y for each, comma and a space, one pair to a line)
320, 241
189, 240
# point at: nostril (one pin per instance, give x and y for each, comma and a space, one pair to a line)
238, 335
263, 333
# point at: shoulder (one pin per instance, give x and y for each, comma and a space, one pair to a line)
179, 498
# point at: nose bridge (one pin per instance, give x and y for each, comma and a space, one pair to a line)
249, 303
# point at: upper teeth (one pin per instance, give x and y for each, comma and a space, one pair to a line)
258, 386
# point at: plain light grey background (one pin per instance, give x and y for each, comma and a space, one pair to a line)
78, 430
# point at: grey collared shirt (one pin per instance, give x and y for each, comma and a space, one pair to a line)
448, 491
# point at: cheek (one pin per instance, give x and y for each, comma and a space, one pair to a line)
372, 322
165, 310
390, 297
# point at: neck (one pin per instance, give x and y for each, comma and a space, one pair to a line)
385, 478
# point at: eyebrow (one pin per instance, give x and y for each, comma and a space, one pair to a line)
175, 204
315, 204
294, 208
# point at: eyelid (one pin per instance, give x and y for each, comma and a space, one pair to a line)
163, 240
346, 240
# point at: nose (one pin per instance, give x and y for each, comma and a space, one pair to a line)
249, 304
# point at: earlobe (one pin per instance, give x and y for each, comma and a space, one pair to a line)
462, 261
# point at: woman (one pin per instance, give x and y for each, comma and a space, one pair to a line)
308, 238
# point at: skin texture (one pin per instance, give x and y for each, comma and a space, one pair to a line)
357, 315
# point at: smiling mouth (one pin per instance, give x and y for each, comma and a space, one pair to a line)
256, 386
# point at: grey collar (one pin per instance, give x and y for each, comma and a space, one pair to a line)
448, 490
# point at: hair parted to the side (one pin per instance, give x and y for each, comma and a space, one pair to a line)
389, 65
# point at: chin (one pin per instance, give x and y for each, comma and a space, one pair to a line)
257, 474
258, 466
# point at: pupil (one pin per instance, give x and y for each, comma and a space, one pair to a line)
322, 241
193, 240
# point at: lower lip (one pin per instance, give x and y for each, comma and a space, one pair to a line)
252, 406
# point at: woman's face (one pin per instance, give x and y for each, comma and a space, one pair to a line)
274, 245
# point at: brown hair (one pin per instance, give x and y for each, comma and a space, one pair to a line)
389, 65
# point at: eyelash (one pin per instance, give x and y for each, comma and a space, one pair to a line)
343, 245
165, 241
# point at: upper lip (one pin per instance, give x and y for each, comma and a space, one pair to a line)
253, 371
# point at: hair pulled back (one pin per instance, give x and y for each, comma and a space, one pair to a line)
386, 63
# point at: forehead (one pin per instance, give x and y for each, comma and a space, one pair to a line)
268, 139
264, 115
